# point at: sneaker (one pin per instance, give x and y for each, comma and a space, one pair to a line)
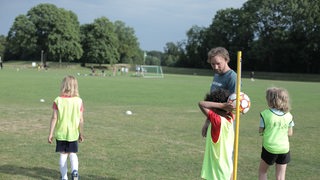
75, 175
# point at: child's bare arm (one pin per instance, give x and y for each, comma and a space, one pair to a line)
210, 105
81, 136
290, 131
261, 129
52, 125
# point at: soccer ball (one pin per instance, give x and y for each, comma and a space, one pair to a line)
128, 112
244, 101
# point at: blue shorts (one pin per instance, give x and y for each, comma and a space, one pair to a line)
67, 147
270, 158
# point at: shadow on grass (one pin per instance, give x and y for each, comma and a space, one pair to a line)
42, 173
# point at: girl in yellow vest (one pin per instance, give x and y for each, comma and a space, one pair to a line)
276, 125
67, 126
217, 162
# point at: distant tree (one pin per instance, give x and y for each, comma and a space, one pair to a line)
2, 46
128, 42
171, 54
22, 39
100, 42
195, 54
274, 35
154, 58
45, 28
64, 42
287, 35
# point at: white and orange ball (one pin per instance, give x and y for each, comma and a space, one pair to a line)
244, 101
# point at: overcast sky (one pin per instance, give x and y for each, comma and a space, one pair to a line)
155, 22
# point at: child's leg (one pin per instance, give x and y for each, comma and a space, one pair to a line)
63, 165
74, 162
263, 168
281, 171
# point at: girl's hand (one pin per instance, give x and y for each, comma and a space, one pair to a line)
50, 139
81, 138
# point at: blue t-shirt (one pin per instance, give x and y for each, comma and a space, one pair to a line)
225, 81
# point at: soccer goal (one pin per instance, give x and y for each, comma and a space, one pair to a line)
149, 71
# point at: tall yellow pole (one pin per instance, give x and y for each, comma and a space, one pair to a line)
236, 138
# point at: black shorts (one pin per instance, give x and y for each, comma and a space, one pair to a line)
270, 158
67, 147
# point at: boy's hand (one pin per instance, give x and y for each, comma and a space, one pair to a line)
228, 106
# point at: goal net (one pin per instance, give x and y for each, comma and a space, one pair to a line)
149, 71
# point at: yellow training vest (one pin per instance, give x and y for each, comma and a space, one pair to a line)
69, 111
217, 162
275, 134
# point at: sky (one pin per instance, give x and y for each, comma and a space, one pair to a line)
155, 22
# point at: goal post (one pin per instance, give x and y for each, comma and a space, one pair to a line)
151, 71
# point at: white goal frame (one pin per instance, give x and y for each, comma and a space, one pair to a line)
156, 71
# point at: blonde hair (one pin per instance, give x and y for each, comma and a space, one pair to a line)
278, 98
69, 86
219, 51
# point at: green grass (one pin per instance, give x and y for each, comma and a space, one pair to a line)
161, 140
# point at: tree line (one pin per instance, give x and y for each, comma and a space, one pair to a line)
273, 35
57, 34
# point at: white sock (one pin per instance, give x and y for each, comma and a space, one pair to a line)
63, 165
74, 161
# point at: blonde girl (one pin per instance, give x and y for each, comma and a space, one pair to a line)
276, 125
67, 126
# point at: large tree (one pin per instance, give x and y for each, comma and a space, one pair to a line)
48, 29
100, 42
195, 54
3, 43
172, 54
128, 43
274, 35
21, 39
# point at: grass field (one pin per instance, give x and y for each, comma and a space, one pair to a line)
161, 140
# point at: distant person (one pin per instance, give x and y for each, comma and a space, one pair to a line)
252, 75
1, 65
67, 126
218, 155
93, 71
138, 70
114, 70
276, 125
224, 76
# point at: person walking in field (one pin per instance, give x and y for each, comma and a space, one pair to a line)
218, 156
67, 126
276, 125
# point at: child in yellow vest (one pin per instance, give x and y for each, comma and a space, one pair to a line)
276, 125
67, 126
217, 162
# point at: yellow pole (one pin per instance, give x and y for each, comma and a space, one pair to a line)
236, 138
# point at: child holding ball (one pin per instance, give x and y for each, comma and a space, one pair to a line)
275, 127
67, 126
218, 163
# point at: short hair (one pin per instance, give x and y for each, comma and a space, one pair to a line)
218, 95
278, 98
219, 51
69, 86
